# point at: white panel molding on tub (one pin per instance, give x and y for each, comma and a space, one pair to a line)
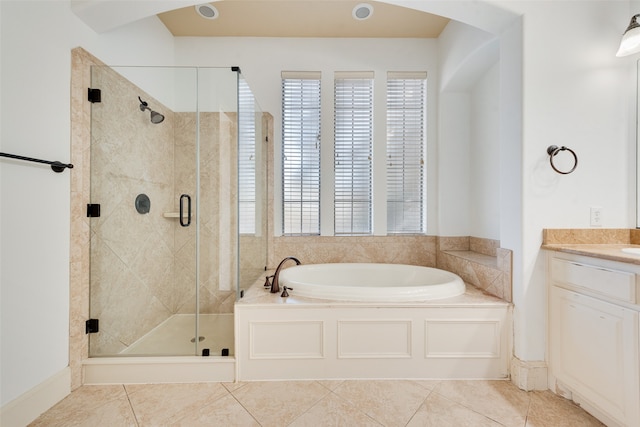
374, 339
475, 338
301, 339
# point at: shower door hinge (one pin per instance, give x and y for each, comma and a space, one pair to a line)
95, 95
91, 326
236, 69
93, 210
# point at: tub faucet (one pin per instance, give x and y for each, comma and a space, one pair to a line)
275, 285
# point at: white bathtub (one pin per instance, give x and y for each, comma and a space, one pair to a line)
371, 282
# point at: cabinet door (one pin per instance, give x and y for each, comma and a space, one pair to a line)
594, 351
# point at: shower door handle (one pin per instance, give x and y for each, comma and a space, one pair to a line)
182, 221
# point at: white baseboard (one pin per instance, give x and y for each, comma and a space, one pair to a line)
30, 405
529, 375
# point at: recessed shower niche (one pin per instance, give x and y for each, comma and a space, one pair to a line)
165, 269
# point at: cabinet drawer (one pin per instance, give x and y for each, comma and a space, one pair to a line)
620, 285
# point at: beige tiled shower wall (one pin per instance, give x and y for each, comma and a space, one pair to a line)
81, 62
132, 254
218, 198
147, 261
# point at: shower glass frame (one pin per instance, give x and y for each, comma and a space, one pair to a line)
143, 280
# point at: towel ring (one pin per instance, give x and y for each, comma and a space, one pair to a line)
552, 150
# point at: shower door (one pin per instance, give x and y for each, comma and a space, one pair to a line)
163, 271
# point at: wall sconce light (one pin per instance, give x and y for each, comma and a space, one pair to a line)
630, 43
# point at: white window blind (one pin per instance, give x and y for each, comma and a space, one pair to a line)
353, 109
406, 99
301, 153
246, 159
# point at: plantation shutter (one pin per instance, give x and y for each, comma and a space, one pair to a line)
353, 108
301, 152
406, 100
246, 159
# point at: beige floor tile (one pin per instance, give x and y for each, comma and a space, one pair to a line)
233, 386
390, 402
334, 411
279, 403
225, 411
499, 400
331, 384
110, 413
428, 384
548, 409
161, 404
311, 403
438, 411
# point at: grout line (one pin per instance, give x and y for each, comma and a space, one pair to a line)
243, 407
424, 401
135, 417
324, 396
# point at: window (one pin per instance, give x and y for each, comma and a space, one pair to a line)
353, 109
406, 98
301, 153
246, 159
354, 174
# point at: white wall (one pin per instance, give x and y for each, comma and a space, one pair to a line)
576, 93
572, 91
484, 173
37, 38
454, 164
263, 59
468, 124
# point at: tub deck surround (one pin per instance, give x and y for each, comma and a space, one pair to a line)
258, 295
467, 336
481, 262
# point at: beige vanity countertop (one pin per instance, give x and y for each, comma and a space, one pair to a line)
612, 252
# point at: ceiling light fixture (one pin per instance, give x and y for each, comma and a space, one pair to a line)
362, 11
207, 11
630, 43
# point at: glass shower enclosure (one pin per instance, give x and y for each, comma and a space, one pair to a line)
177, 197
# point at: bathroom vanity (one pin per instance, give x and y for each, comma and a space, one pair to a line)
594, 329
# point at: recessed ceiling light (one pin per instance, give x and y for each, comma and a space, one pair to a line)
362, 11
207, 11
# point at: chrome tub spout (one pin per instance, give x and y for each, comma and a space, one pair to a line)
275, 285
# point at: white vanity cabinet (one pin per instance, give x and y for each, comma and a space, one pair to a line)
594, 335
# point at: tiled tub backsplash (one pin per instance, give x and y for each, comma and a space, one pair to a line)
416, 250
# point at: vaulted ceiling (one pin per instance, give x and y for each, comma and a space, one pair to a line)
302, 18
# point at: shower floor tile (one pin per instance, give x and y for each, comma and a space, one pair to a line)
176, 336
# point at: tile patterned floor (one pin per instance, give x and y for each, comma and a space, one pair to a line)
316, 403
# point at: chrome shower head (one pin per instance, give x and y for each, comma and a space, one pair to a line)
155, 116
